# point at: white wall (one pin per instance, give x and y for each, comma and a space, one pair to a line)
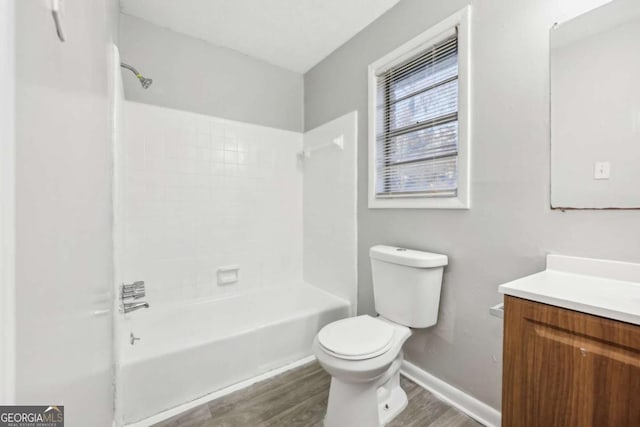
200, 193
330, 223
63, 165
596, 116
193, 75
510, 227
7, 199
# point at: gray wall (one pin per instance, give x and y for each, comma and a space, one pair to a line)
192, 75
63, 208
510, 227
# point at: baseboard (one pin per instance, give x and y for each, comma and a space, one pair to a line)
460, 400
217, 394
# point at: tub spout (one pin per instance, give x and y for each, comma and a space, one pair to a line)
133, 306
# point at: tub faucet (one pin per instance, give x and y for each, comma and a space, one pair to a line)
133, 306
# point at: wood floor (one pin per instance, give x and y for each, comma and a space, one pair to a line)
298, 398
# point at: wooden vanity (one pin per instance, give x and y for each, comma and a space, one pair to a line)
565, 368
571, 354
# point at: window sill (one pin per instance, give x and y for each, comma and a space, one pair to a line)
419, 203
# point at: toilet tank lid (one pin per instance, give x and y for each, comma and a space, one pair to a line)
408, 257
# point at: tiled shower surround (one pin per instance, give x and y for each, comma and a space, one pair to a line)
202, 193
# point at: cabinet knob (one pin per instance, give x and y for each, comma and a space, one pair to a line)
583, 351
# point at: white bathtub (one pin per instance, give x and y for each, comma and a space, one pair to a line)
188, 351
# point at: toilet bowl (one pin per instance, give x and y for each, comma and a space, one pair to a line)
363, 354
365, 370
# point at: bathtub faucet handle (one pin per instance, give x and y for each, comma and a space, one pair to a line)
139, 284
135, 290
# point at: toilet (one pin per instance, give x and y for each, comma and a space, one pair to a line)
363, 354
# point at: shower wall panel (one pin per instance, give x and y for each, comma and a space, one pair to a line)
202, 193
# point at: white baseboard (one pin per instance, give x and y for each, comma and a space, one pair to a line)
460, 400
217, 394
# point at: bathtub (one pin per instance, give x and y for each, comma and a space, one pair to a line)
187, 351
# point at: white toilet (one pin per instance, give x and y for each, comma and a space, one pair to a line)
363, 354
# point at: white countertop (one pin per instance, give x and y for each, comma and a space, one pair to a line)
585, 285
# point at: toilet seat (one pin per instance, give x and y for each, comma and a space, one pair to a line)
356, 338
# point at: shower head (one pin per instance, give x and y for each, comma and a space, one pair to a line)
145, 82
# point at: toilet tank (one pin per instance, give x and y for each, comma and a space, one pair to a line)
406, 284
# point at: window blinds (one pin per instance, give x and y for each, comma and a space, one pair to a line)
417, 124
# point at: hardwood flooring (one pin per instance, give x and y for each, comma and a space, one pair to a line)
298, 398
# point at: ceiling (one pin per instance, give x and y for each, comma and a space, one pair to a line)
294, 34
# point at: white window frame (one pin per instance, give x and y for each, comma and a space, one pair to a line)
461, 20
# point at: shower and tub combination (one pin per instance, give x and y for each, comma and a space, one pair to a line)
193, 348
226, 224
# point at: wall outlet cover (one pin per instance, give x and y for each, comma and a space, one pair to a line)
602, 170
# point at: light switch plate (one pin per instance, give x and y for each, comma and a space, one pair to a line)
602, 170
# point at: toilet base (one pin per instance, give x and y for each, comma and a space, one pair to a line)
371, 404
392, 399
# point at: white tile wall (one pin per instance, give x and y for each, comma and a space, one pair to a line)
201, 192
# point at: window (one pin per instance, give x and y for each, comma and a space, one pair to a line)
418, 123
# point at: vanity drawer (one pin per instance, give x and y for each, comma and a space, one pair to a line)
566, 368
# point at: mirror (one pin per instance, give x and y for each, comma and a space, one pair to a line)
595, 109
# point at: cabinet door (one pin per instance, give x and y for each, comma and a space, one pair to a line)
564, 368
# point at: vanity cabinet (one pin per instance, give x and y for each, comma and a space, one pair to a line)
568, 369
